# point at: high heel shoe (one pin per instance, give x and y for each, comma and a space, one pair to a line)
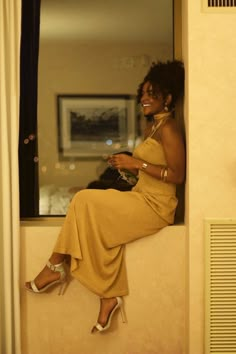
99, 328
62, 280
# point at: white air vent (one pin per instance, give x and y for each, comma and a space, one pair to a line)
221, 3
219, 6
220, 287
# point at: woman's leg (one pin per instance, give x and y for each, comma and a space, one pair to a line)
106, 306
93, 235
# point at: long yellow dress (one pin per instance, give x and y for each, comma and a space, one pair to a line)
100, 222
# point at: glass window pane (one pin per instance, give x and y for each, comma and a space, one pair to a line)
95, 57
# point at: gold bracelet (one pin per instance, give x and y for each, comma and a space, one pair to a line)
162, 172
165, 174
144, 166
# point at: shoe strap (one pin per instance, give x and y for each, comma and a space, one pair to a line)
99, 327
34, 287
56, 267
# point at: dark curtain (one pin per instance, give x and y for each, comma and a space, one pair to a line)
28, 142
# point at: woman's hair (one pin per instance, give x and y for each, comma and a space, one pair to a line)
165, 78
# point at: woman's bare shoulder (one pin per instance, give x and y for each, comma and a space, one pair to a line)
170, 126
170, 129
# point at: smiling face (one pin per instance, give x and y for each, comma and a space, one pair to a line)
152, 103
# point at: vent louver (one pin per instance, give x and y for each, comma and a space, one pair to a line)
221, 3
220, 287
219, 6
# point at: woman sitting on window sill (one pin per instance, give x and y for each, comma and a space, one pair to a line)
100, 222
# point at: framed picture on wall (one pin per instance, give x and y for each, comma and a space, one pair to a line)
95, 125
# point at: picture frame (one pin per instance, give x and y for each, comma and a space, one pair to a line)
95, 125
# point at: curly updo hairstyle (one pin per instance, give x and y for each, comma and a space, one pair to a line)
165, 78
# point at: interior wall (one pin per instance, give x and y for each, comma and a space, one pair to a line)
155, 307
209, 55
209, 51
84, 68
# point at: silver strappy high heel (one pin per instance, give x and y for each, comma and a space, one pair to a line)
62, 280
99, 328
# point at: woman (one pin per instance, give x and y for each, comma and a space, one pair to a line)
100, 222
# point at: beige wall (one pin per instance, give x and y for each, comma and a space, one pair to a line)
210, 56
85, 68
155, 307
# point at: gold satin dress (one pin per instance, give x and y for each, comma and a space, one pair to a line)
100, 222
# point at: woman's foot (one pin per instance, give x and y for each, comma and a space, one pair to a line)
45, 277
52, 273
107, 308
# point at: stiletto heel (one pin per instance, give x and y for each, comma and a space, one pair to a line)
122, 312
56, 268
63, 287
99, 328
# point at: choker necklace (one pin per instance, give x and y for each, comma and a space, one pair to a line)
158, 120
160, 116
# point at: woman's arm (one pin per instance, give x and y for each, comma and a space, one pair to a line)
171, 139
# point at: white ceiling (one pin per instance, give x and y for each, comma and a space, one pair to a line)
137, 20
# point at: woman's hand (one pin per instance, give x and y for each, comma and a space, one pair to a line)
124, 162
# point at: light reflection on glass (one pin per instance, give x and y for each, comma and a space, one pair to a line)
109, 142
72, 166
31, 137
131, 143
